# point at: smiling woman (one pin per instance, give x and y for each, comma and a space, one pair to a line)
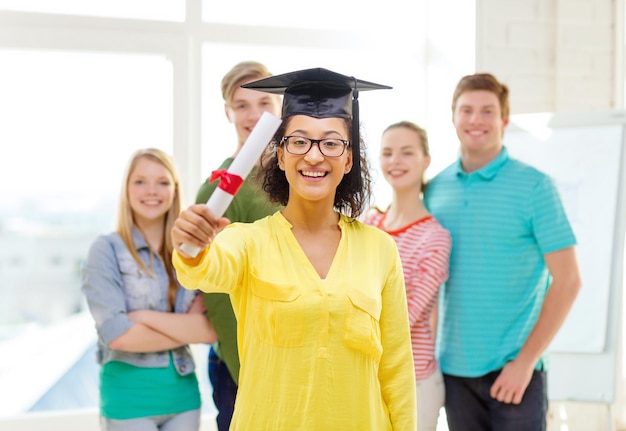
312, 302
145, 320
312, 170
151, 192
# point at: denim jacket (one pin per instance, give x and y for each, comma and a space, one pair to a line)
114, 284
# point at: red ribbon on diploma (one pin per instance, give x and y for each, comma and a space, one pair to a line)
229, 182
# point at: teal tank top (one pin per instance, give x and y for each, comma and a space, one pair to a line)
128, 391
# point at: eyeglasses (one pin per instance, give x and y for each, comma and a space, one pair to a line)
299, 145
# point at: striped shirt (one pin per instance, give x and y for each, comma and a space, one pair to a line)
424, 248
503, 219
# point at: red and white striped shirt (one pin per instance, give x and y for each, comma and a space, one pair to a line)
424, 248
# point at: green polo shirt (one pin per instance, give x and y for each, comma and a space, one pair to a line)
249, 204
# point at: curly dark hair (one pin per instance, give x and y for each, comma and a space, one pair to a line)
353, 192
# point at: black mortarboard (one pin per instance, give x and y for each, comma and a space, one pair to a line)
319, 93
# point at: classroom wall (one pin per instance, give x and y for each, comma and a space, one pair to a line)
556, 55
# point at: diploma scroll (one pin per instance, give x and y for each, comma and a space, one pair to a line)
231, 180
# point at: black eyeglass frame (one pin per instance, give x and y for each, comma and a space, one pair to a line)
285, 140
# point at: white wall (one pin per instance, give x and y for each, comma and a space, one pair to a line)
556, 55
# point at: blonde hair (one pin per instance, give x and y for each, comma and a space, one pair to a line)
125, 218
241, 73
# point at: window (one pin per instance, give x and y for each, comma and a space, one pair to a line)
70, 122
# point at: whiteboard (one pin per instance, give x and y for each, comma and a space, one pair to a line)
584, 155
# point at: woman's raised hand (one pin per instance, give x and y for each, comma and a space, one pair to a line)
196, 226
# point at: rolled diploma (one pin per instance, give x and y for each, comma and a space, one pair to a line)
251, 151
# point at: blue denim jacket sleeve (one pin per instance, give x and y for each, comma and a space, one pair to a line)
103, 289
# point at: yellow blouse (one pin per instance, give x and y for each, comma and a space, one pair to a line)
331, 354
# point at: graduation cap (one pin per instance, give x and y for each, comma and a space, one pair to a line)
319, 93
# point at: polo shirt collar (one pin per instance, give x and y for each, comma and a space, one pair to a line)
487, 172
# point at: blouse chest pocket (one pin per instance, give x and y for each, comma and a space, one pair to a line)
362, 327
138, 284
276, 312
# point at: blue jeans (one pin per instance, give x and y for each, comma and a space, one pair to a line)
224, 390
470, 407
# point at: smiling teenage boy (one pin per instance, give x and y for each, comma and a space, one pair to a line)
513, 270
